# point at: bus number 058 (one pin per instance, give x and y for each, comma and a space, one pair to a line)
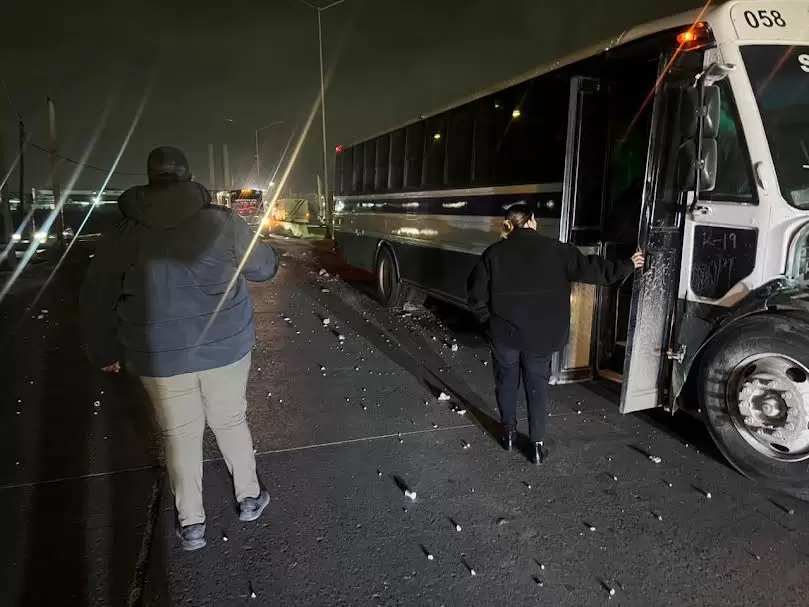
757, 19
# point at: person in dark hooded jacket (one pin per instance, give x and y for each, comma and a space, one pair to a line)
166, 297
520, 290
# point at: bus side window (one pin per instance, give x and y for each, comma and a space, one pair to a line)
530, 128
370, 166
356, 182
432, 174
397, 160
734, 177
459, 147
382, 159
414, 148
347, 172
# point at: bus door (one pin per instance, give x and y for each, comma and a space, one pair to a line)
647, 362
583, 187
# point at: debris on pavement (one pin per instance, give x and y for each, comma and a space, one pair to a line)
444, 396
655, 459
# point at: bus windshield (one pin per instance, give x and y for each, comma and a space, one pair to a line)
780, 79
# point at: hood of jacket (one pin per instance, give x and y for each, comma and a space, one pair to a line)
164, 205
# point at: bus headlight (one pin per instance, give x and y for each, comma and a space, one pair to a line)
798, 261
41, 236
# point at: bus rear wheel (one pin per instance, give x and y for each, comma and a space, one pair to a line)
754, 392
392, 293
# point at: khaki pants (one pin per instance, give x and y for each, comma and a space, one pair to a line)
182, 403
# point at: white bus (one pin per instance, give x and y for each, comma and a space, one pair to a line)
688, 137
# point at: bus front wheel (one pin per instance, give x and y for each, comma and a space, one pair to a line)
754, 392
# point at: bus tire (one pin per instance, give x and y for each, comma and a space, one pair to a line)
753, 383
389, 288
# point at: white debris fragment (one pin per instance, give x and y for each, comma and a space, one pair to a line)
40, 317
430, 557
612, 591
341, 337
224, 538
460, 411
325, 290
708, 494
472, 572
592, 528
411, 495
659, 517
454, 348
613, 477
97, 404
443, 396
44, 311
326, 322
457, 528
322, 272
435, 425
466, 445
252, 594
655, 459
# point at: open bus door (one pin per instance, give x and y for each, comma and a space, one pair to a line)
582, 193
648, 360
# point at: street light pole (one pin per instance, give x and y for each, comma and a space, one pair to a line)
319, 10
323, 120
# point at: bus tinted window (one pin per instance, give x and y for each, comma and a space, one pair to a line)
347, 170
484, 112
459, 147
370, 166
382, 156
356, 181
432, 175
414, 148
529, 134
397, 160
338, 174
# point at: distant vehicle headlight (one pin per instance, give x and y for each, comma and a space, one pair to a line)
41, 236
16, 237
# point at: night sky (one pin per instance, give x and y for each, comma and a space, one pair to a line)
256, 62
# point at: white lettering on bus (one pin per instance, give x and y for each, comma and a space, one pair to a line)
804, 61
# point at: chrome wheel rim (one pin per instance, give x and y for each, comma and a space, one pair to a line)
768, 403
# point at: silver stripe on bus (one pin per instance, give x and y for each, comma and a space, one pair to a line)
463, 234
535, 188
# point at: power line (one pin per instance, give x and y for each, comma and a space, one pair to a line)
86, 166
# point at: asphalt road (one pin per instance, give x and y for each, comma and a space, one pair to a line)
341, 427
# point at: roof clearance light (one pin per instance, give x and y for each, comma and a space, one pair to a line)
339, 149
516, 113
437, 136
696, 34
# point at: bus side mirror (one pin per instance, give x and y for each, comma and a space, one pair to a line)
688, 165
692, 112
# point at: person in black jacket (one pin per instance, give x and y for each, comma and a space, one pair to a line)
520, 289
166, 297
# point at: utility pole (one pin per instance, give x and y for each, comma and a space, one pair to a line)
211, 167
226, 162
55, 185
21, 170
5, 210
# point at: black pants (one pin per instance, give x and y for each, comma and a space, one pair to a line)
535, 370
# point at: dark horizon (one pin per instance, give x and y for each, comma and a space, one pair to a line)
217, 80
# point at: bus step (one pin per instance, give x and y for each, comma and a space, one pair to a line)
610, 375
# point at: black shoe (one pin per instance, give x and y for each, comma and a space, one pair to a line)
540, 454
509, 439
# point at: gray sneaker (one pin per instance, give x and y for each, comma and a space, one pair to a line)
250, 508
192, 536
